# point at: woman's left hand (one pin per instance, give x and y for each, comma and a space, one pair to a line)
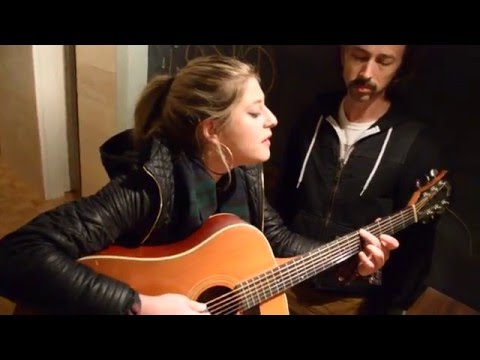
375, 253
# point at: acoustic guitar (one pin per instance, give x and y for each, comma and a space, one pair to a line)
229, 264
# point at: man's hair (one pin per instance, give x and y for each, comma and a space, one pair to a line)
406, 72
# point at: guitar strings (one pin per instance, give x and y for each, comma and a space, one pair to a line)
401, 221
336, 253
230, 301
250, 288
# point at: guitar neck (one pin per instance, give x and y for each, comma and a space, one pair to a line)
262, 287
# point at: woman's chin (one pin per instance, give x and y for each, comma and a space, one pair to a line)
256, 160
266, 156
260, 159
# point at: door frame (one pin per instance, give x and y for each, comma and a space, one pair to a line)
52, 73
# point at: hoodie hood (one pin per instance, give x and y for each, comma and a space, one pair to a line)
119, 156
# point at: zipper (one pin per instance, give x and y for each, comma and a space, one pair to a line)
338, 175
161, 204
262, 198
343, 162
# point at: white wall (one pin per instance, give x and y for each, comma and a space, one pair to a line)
132, 72
49, 73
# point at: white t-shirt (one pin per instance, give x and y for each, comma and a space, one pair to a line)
351, 131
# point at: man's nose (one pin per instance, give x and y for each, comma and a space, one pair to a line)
368, 69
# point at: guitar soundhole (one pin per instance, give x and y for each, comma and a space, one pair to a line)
224, 302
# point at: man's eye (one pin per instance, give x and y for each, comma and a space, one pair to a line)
386, 62
360, 57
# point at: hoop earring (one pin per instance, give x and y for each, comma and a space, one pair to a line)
229, 152
227, 164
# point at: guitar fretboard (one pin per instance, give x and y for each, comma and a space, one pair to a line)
262, 287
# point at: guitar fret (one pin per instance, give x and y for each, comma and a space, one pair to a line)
301, 270
263, 289
272, 287
249, 298
294, 272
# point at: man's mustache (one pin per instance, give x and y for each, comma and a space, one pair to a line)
363, 82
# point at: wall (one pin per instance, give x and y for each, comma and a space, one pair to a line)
97, 101
445, 94
302, 71
19, 135
109, 81
132, 67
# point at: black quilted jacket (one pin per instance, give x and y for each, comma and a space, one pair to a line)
38, 264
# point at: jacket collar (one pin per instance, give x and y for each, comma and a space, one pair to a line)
119, 157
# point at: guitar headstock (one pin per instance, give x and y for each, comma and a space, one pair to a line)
431, 199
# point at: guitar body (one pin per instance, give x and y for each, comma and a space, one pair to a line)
222, 253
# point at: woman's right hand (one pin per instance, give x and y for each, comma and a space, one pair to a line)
171, 304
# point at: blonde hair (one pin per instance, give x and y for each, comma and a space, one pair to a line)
172, 107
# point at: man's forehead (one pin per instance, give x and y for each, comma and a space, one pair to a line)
388, 50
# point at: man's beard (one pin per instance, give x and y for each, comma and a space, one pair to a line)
362, 82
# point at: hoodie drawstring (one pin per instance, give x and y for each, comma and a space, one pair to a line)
379, 158
302, 172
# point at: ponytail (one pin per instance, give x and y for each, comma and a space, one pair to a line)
149, 108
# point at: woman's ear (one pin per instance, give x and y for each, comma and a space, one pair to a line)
209, 130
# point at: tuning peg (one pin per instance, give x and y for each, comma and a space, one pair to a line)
428, 178
418, 184
433, 173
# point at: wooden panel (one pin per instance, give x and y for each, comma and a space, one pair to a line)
19, 135
433, 302
96, 81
